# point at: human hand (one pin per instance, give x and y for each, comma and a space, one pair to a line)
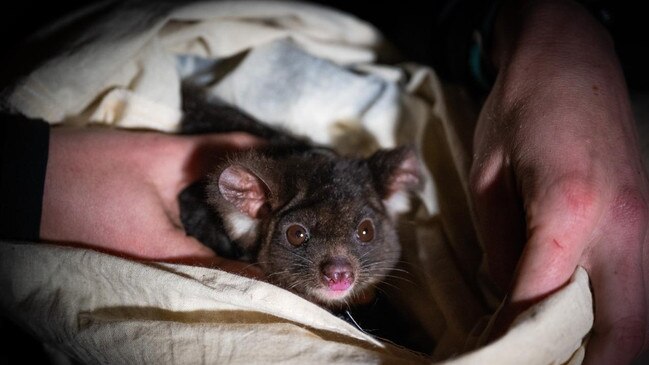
116, 191
557, 178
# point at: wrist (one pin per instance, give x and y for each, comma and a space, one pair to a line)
555, 52
530, 29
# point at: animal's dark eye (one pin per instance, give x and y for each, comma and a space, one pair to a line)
365, 230
296, 234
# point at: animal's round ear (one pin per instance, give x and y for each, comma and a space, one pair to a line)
396, 174
245, 190
395, 170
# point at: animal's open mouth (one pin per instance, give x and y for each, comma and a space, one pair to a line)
340, 286
333, 293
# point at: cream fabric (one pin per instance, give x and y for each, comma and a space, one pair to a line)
105, 309
317, 73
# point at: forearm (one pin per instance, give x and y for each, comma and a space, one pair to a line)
560, 80
558, 46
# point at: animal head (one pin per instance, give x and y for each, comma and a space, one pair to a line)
321, 225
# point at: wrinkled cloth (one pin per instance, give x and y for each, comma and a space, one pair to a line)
314, 72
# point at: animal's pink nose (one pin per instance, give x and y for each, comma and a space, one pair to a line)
337, 274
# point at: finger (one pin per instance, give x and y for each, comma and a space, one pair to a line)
561, 221
183, 249
206, 150
167, 244
240, 268
196, 158
499, 218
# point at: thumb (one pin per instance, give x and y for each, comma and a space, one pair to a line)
499, 217
561, 221
190, 251
205, 150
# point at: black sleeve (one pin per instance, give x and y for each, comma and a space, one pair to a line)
24, 147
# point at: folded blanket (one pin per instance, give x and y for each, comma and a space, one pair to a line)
316, 73
105, 309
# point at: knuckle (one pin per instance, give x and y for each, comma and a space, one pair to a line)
476, 176
629, 210
578, 196
485, 172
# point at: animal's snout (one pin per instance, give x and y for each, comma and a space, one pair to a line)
337, 273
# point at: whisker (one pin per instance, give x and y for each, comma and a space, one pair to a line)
368, 252
249, 266
388, 265
296, 254
384, 270
298, 283
402, 279
390, 285
383, 277
378, 288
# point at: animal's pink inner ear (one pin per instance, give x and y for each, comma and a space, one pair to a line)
406, 176
245, 190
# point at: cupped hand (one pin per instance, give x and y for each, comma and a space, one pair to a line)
116, 191
558, 180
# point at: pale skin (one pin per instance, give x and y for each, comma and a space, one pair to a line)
116, 191
557, 177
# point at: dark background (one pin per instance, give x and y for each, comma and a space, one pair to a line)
425, 31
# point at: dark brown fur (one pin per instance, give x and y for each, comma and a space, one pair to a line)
329, 196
